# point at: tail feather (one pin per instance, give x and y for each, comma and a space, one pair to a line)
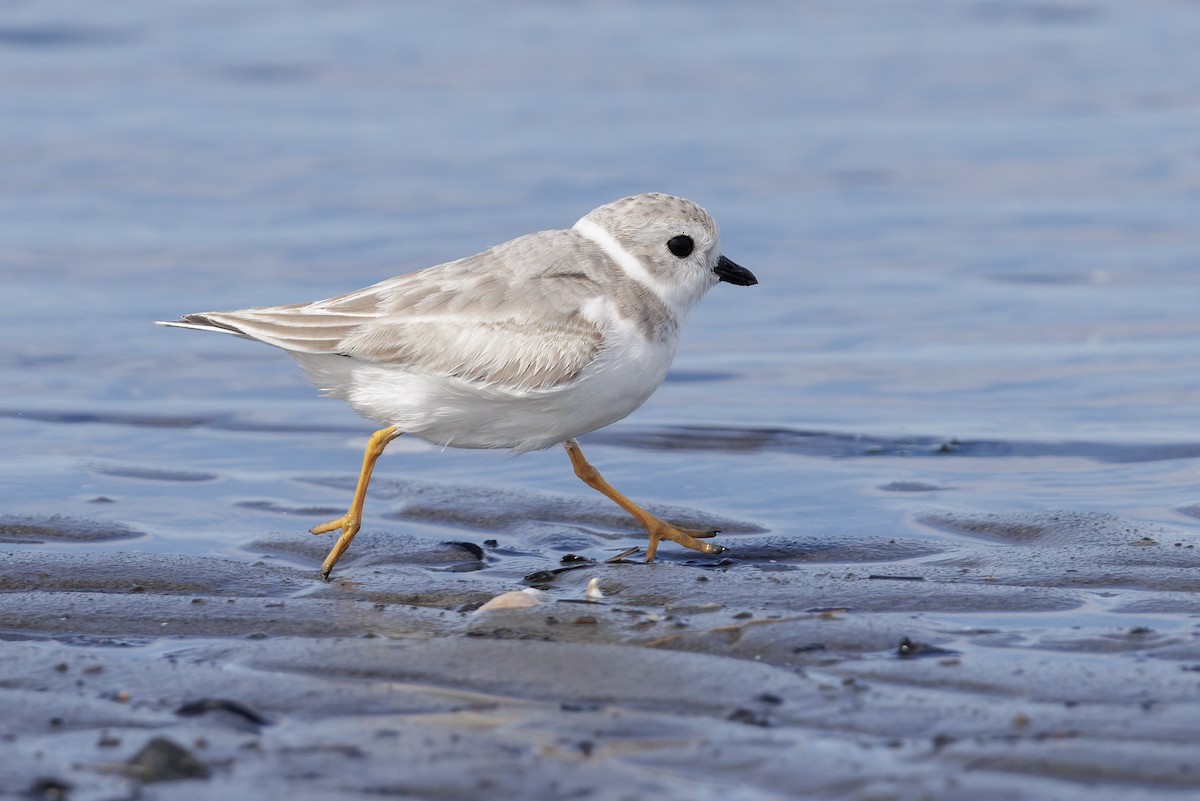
307, 333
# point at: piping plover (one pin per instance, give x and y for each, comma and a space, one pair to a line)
527, 345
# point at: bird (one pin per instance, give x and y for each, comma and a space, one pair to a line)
530, 344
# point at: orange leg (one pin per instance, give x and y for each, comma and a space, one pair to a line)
349, 523
658, 529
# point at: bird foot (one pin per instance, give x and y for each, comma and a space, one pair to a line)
349, 524
687, 537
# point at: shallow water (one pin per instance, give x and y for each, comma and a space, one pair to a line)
961, 406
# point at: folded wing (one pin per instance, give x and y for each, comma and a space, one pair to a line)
495, 318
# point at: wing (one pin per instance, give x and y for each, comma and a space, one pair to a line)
512, 316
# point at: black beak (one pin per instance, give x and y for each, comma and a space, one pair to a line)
734, 273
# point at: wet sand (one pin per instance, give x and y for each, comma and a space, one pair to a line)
988, 664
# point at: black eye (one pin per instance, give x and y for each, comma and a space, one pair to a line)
681, 245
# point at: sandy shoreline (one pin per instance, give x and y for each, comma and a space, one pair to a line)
747, 678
